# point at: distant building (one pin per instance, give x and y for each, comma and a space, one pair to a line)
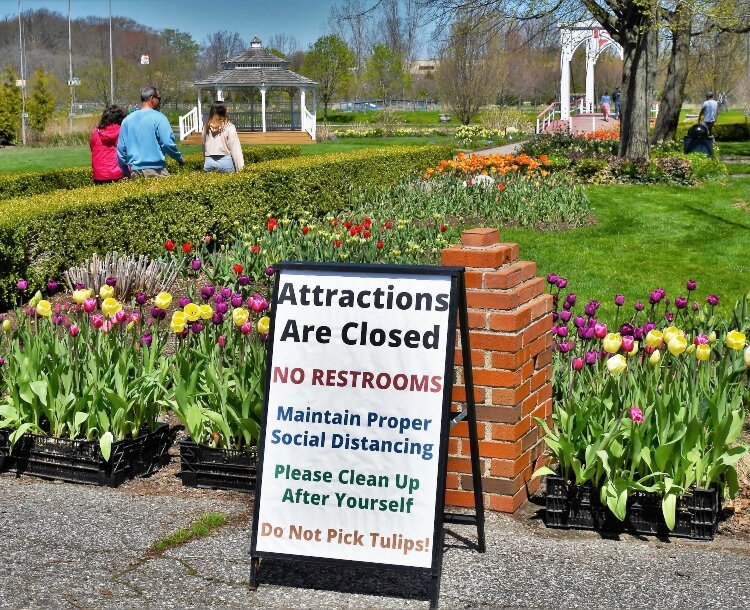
423, 66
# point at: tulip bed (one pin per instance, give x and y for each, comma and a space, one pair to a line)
27, 184
653, 401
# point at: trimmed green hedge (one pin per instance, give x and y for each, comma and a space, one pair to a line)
732, 132
42, 236
36, 183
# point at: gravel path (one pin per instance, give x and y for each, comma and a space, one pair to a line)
71, 546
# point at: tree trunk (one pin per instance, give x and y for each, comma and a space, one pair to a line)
674, 87
634, 103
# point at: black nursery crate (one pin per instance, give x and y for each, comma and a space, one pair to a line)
571, 506
4, 450
80, 461
204, 466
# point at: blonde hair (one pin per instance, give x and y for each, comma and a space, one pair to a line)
217, 116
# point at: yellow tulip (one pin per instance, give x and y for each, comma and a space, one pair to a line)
206, 312
44, 308
193, 312
745, 355
654, 358
616, 364
176, 327
163, 300
735, 340
110, 307
677, 345
611, 343
703, 352
670, 333
79, 296
106, 291
712, 337
654, 338
240, 316
690, 348
6, 326
634, 351
265, 323
179, 317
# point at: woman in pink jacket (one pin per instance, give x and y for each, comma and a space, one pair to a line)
103, 144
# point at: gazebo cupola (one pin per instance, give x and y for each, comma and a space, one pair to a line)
255, 70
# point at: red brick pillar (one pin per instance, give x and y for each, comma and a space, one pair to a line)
510, 318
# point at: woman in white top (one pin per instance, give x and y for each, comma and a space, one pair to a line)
221, 146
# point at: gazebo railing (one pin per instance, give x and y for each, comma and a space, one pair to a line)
308, 122
276, 120
188, 123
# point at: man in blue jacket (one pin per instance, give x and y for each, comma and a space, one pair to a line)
145, 138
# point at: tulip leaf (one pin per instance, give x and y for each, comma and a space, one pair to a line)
40, 389
105, 446
543, 471
669, 508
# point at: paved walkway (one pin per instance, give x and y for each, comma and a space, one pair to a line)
507, 149
68, 546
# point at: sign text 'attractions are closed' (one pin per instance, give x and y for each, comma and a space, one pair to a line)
354, 416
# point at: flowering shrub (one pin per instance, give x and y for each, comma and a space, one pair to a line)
654, 402
377, 132
472, 165
564, 142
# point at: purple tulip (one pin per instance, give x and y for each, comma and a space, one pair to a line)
561, 282
158, 314
196, 327
620, 300
695, 306
184, 301
555, 316
269, 271
691, 285
669, 316
22, 285
627, 330
589, 333
236, 300
712, 300
681, 302
577, 364
141, 298
52, 286
638, 306
195, 264
648, 327
565, 316
563, 347
79, 286
217, 318
579, 321
243, 280
226, 292
654, 297
566, 306
207, 292
110, 281
552, 279
638, 333
591, 307
222, 307
145, 340
562, 331
571, 298
56, 320
263, 336
218, 298
2, 361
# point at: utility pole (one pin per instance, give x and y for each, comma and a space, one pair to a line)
70, 81
23, 75
111, 63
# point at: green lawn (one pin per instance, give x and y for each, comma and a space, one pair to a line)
738, 168
348, 144
651, 236
738, 149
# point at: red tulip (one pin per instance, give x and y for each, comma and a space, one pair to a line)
238, 268
169, 245
187, 247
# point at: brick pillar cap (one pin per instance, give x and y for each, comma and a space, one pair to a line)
479, 237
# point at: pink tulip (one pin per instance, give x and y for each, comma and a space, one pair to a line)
89, 305
97, 320
600, 330
577, 364
701, 339
627, 344
120, 316
222, 341
74, 330
636, 415
246, 328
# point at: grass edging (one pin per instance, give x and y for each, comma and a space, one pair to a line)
203, 527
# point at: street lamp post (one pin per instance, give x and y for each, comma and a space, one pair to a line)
111, 63
23, 76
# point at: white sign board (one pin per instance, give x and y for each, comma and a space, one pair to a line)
20, 83
356, 407
144, 60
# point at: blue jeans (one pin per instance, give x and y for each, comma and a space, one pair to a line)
217, 162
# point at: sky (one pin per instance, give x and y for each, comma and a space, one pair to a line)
304, 19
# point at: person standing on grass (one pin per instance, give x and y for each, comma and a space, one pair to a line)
709, 111
146, 137
103, 145
605, 103
221, 145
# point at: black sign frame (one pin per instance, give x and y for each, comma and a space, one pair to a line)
457, 309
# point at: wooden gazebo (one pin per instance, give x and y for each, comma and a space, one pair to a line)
242, 77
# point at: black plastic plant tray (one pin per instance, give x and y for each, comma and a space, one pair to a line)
80, 461
204, 466
4, 450
571, 506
